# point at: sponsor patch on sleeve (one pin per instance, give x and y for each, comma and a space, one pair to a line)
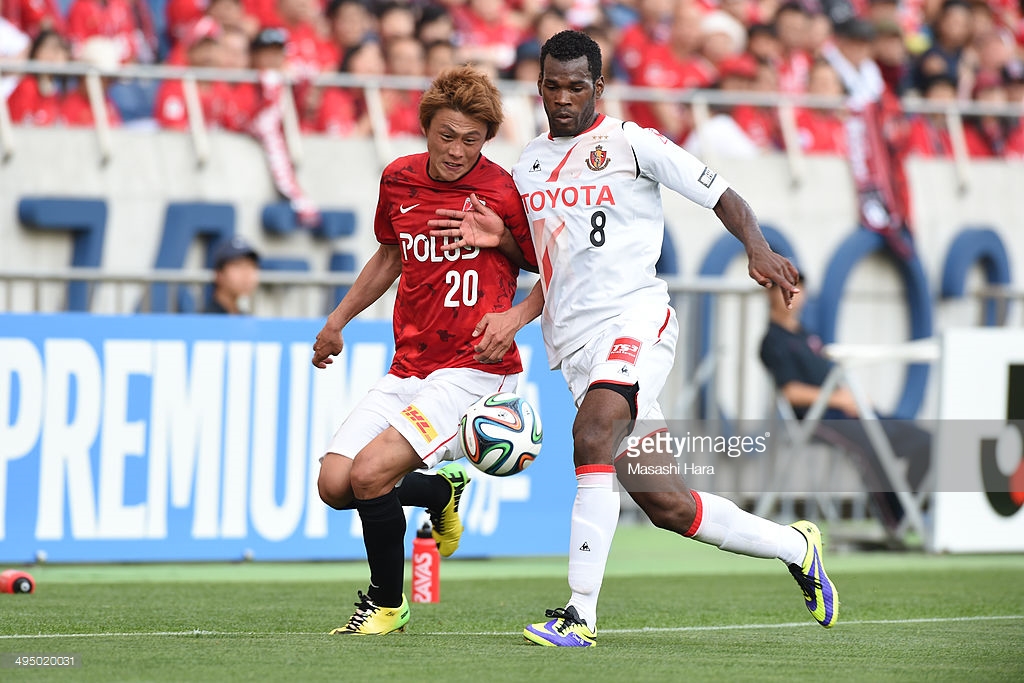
707, 177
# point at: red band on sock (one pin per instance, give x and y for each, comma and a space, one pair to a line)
593, 469
696, 516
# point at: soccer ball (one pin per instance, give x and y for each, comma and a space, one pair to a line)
501, 434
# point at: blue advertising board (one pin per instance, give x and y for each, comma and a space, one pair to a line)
167, 438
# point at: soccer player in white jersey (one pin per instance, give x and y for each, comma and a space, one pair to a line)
591, 189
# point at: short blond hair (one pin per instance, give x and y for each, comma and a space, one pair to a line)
466, 90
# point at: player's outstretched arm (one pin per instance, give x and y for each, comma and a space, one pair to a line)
765, 266
482, 227
379, 273
497, 330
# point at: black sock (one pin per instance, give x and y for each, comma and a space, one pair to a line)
384, 537
424, 491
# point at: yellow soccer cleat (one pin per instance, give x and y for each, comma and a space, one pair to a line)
820, 594
371, 620
447, 527
565, 629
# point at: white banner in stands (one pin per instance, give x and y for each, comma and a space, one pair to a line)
980, 446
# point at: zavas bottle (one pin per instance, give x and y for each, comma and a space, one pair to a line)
426, 567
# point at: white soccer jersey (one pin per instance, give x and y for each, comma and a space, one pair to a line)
594, 202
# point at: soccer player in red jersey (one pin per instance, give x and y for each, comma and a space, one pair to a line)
454, 324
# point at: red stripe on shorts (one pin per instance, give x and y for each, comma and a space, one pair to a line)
668, 316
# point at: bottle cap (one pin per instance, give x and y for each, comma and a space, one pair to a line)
424, 531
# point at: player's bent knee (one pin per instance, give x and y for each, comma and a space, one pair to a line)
369, 482
672, 511
593, 446
333, 483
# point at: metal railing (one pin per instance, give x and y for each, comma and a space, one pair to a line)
615, 95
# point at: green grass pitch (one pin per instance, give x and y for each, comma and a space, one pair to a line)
671, 610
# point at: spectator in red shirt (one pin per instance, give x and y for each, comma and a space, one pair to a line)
763, 45
180, 15
114, 19
265, 12
267, 54
33, 16
650, 32
548, 23
396, 20
37, 99
675, 64
76, 109
486, 35
231, 15
184, 15
403, 57
722, 135
1013, 81
202, 50
760, 123
350, 24
437, 57
928, 135
435, 24
721, 37
792, 26
234, 48
343, 112
890, 53
309, 50
822, 131
987, 135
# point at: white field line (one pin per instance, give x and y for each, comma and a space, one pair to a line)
646, 629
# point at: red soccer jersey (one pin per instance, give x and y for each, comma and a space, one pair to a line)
215, 98
441, 297
110, 18
28, 106
76, 110
31, 16
1015, 143
181, 15
335, 115
820, 132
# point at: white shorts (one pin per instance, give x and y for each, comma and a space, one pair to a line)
424, 411
632, 349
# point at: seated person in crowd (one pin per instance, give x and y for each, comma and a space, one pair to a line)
236, 266
793, 357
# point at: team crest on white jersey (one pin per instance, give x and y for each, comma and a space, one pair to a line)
598, 159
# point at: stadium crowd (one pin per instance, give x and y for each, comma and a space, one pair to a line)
937, 50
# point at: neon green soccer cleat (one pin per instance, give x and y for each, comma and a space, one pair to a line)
565, 629
447, 527
820, 594
371, 620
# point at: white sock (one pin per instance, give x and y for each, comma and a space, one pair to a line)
595, 514
721, 523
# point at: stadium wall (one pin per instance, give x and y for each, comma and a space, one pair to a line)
965, 233
815, 212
